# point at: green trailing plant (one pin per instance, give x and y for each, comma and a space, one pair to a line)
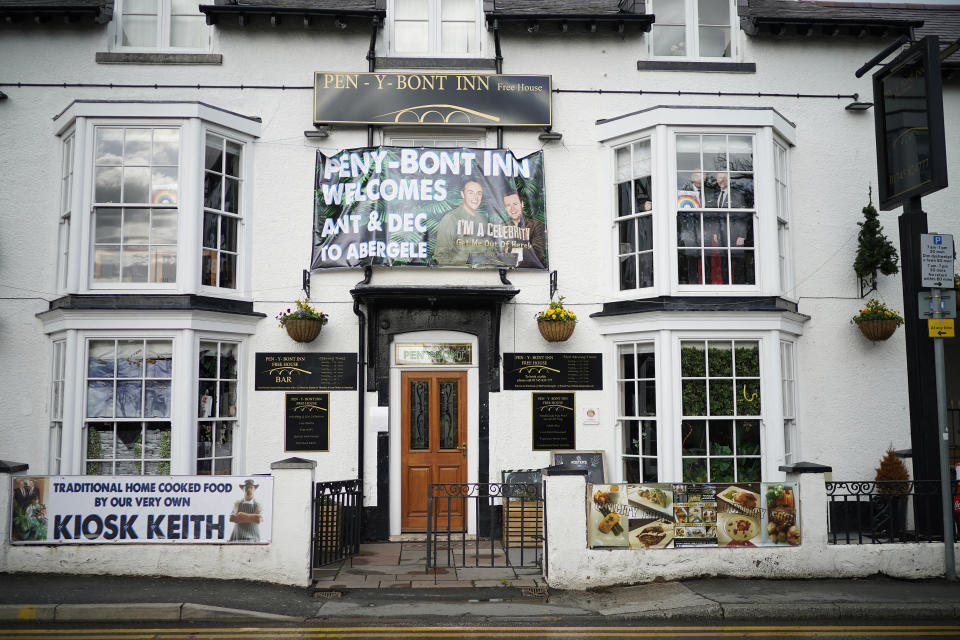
892, 476
874, 251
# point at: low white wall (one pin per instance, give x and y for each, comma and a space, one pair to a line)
571, 565
285, 560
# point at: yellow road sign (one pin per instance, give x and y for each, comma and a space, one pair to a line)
941, 328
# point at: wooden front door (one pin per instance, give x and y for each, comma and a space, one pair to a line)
434, 442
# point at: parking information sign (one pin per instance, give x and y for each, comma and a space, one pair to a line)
936, 260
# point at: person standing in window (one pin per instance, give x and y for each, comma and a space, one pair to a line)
530, 252
246, 515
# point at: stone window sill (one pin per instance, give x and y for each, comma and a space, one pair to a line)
693, 65
112, 57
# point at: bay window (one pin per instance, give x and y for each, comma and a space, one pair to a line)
637, 402
216, 407
221, 211
634, 215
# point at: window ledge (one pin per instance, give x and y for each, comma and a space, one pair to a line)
436, 63
112, 57
695, 65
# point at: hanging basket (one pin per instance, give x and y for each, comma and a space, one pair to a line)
877, 330
556, 330
303, 329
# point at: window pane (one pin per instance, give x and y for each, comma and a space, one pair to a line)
715, 42
628, 272
692, 360
100, 399
210, 230
713, 12
107, 184
457, 37
458, 9
166, 144
646, 269
627, 236
670, 11
136, 226
693, 436
419, 414
204, 440
449, 414
622, 160
721, 397
188, 31
741, 153
133, 263
224, 443
643, 194
624, 204
748, 438
106, 264
231, 195
742, 185
164, 186
748, 397
715, 153
649, 438
233, 159
228, 270
631, 437
228, 233
227, 406
720, 359
100, 441
688, 230
411, 37
164, 226
157, 399
137, 147
139, 31
136, 184
744, 269
410, 9
213, 154
747, 357
140, 6
628, 398
694, 397
721, 470
228, 361
688, 153
208, 360
695, 470
159, 358
109, 146
100, 361
647, 398
212, 190
748, 470
129, 358
107, 223
129, 441
208, 399
645, 233
669, 41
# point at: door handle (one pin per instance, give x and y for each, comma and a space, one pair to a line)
463, 449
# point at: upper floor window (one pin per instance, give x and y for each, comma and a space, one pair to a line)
692, 28
163, 196
634, 215
161, 25
715, 203
136, 192
434, 27
66, 205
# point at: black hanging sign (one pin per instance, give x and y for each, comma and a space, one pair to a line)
305, 372
554, 421
911, 148
583, 371
307, 422
431, 99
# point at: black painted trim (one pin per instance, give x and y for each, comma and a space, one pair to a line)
154, 302
436, 63
693, 65
695, 304
112, 57
805, 467
8, 466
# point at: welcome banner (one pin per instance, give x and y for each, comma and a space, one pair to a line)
399, 206
141, 509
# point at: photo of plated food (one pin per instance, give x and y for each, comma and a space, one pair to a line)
736, 529
742, 499
651, 498
606, 527
781, 524
652, 535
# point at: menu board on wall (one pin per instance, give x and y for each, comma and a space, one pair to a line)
582, 371
674, 516
554, 421
307, 422
305, 372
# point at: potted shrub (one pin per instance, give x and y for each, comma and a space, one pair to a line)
556, 323
874, 251
303, 324
890, 501
877, 321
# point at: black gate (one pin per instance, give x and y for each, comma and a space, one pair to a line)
509, 518
336, 521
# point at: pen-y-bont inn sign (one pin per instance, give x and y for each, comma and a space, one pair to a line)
432, 99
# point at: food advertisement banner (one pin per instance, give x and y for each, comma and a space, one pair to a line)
674, 516
404, 207
141, 509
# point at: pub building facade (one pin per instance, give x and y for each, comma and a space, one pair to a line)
178, 174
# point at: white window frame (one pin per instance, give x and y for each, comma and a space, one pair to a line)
194, 120
66, 209
243, 242
691, 12
164, 19
434, 33
57, 391
622, 419
781, 156
663, 124
788, 377
233, 417
654, 215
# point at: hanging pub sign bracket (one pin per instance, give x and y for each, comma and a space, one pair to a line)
306, 282
553, 283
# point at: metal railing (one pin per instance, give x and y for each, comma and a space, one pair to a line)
509, 521
336, 521
865, 512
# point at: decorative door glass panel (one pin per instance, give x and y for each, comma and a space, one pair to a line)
449, 429
420, 414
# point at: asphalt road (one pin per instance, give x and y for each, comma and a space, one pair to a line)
473, 630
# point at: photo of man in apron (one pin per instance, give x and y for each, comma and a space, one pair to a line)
246, 515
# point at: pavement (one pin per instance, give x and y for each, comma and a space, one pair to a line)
386, 582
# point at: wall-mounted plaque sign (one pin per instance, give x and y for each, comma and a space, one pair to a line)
431, 99
307, 422
553, 371
554, 421
305, 372
911, 149
434, 353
